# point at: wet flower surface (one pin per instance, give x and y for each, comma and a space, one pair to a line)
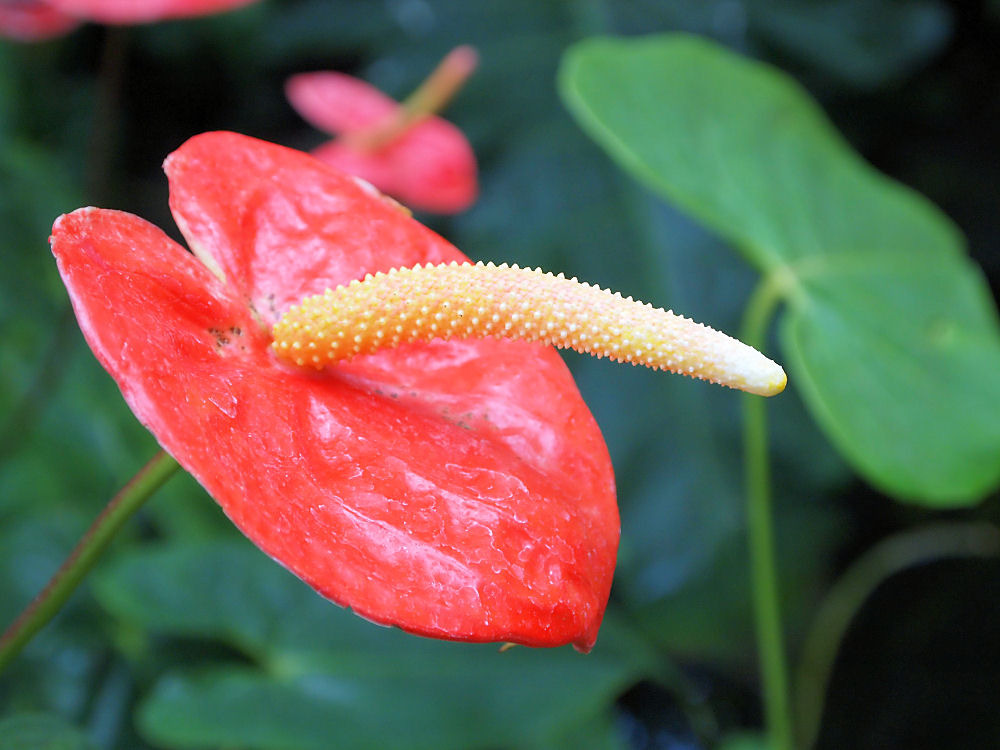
457, 489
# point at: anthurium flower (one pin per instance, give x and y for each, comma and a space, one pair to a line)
343, 382
424, 161
39, 19
457, 489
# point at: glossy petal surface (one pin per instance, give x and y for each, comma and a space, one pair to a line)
431, 167
455, 489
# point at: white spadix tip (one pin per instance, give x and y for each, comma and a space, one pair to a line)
478, 301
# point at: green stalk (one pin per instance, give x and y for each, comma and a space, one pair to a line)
760, 532
107, 106
890, 556
100, 150
51, 599
429, 98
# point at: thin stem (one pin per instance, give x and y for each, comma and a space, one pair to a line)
107, 103
887, 558
100, 150
760, 531
429, 98
51, 599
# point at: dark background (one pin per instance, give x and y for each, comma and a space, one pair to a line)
88, 119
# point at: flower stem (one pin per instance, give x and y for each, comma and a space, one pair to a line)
100, 150
51, 599
107, 104
887, 558
760, 531
429, 98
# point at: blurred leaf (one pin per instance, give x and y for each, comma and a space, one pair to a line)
744, 741
550, 197
40, 732
676, 456
80, 421
865, 42
682, 499
747, 152
443, 708
599, 733
323, 28
862, 43
328, 676
34, 189
709, 616
56, 669
742, 148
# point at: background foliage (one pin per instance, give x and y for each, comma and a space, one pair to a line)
187, 637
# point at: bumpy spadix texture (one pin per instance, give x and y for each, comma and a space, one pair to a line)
465, 301
457, 489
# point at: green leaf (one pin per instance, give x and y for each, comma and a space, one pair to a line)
919, 340
743, 149
34, 189
449, 708
326, 677
674, 442
710, 616
40, 732
744, 741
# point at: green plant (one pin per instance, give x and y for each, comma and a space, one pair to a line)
890, 332
185, 636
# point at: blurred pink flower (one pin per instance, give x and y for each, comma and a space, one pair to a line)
402, 149
31, 20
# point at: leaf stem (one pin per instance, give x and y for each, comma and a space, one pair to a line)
59, 588
100, 149
429, 98
107, 104
887, 558
760, 531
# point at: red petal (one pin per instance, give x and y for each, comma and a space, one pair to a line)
460, 490
154, 317
431, 167
338, 103
33, 20
143, 11
282, 225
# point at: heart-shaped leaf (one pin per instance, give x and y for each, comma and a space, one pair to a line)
890, 333
323, 677
40, 732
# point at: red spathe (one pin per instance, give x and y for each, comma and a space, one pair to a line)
34, 20
454, 489
430, 167
142, 11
